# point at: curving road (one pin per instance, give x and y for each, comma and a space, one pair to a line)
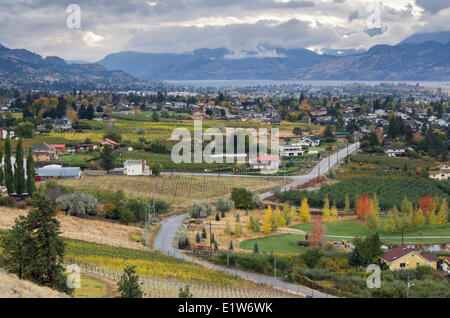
164, 241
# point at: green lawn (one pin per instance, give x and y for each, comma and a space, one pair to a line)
90, 288
284, 243
77, 159
356, 227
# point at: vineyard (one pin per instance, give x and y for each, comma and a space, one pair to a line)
390, 191
160, 288
174, 189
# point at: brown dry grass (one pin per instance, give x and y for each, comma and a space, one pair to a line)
13, 287
90, 230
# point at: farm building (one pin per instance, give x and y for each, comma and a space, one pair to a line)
404, 257
58, 171
43, 152
136, 168
266, 162
292, 150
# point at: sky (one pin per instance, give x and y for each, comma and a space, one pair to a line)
50, 27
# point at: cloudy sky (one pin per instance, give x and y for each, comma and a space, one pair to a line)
176, 26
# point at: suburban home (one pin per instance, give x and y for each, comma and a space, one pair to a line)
136, 168
311, 141
60, 123
292, 150
266, 162
394, 151
43, 152
58, 171
442, 174
109, 142
60, 148
403, 257
5, 132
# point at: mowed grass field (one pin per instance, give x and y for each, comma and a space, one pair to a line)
90, 288
355, 227
178, 190
284, 243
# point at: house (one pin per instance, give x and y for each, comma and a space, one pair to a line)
291, 150
403, 257
60, 148
442, 174
43, 152
136, 168
446, 264
60, 123
394, 151
311, 141
109, 142
5, 132
58, 171
3, 191
266, 162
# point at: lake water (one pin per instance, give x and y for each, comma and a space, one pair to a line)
252, 83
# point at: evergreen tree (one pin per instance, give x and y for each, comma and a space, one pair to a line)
204, 236
255, 248
197, 238
231, 245
129, 286
7, 166
217, 216
19, 171
185, 293
356, 259
107, 158
31, 173
38, 250
2, 177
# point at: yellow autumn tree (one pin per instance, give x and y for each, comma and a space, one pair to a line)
267, 221
326, 208
334, 211
276, 218
305, 215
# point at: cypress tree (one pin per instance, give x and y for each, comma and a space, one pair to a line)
19, 171
31, 173
7, 166
2, 177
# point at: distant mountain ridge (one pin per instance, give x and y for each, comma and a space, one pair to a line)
405, 61
25, 69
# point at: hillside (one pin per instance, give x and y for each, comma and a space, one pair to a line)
25, 69
406, 61
13, 287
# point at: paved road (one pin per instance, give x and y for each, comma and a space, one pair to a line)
164, 243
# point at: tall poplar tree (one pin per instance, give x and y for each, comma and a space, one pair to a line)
19, 171
31, 173
2, 177
7, 166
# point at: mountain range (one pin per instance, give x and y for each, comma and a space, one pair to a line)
406, 61
24, 69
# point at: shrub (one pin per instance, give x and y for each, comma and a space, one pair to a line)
78, 203
243, 199
224, 205
258, 202
195, 207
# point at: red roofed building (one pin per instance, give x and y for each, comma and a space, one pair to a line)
60, 148
266, 162
106, 141
403, 257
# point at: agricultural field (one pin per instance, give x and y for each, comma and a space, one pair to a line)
174, 189
91, 288
390, 191
284, 244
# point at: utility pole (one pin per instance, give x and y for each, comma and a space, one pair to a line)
275, 265
210, 235
228, 258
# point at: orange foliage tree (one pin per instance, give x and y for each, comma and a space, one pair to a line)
317, 231
363, 206
427, 205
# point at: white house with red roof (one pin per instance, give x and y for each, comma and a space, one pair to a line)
266, 162
109, 142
